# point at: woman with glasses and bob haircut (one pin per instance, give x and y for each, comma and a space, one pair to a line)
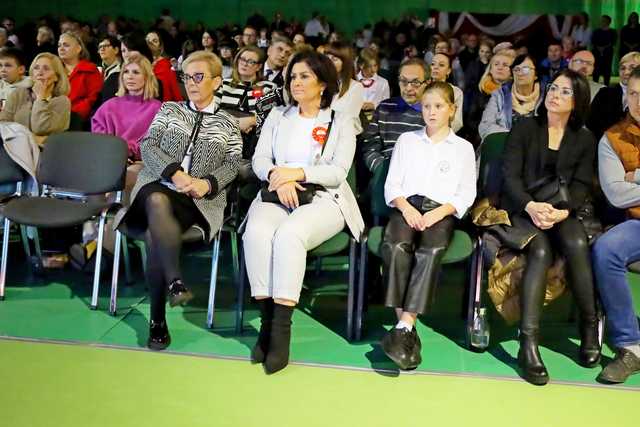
190, 154
302, 144
548, 171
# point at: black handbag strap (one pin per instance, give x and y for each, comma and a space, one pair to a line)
333, 113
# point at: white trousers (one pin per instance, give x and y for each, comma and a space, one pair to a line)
276, 242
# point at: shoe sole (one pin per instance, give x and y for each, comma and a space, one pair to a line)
181, 299
158, 347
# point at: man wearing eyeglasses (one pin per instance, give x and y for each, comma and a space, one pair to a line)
610, 104
396, 115
109, 51
583, 62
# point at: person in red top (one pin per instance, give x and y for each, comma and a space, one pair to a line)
162, 69
84, 78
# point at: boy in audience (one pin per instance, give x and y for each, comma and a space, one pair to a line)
553, 63
12, 72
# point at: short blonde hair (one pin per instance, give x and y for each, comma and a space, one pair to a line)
211, 59
61, 88
506, 53
150, 82
84, 53
631, 56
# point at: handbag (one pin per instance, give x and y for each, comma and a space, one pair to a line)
422, 203
304, 196
552, 190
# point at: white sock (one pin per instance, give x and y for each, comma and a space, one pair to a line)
635, 349
404, 325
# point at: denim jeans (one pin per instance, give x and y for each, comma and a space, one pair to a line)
612, 252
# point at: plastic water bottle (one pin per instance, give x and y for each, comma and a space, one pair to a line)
480, 331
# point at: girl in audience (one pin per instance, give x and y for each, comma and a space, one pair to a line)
190, 154
426, 210
301, 143
376, 88
209, 41
552, 150
440, 72
44, 108
513, 101
350, 97
85, 79
162, 69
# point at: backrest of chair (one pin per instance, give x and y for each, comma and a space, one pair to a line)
83, 161
490, 174
10, 171
379, 206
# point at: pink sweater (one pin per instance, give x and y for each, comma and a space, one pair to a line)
128, 117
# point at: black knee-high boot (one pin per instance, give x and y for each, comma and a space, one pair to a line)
259, 352
278, 354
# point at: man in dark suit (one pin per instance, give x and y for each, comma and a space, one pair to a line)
277, 56
610, 105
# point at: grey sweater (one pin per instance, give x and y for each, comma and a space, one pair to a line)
620, 193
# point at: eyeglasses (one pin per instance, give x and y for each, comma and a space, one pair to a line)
579, 61
413, 83
564, 92
104, 45
249, 62
627, 67
196, 77
522, 69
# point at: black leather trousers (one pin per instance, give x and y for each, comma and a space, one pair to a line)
412, 261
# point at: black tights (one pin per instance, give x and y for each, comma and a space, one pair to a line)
570, 240
164, 242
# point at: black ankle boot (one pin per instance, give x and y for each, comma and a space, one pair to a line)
589, 343
280, 339
159, 337
533, 369
259, 352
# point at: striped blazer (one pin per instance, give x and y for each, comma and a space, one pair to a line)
216, 154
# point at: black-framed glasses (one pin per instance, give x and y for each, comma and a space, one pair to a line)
582, 61
196, 77
104, 45
522, 69
413, 83
249, 62
564, 92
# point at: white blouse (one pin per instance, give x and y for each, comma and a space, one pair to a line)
376, 89
300, 152
444, 172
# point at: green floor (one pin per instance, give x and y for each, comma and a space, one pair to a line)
95, 380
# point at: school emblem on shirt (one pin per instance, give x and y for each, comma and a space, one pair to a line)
319, 134
444, 166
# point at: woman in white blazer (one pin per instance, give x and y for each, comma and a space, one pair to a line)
300, 145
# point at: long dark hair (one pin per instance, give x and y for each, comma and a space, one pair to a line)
581, 99
324, 70
137, 41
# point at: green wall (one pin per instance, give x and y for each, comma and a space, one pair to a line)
347, 15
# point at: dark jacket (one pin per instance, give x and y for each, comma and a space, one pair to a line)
606, 110
524, 157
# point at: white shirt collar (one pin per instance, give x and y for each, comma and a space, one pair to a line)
211, 108
448, 139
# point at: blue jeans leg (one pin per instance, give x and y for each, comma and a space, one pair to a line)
612, 252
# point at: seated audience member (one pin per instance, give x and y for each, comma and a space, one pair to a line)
514, 101
249, 36
470, 52
291, 151
163, 69
209, 41
583, 62
350, 97
299, 38
440, 72
45, 41
376, 88
497, 73
618, 163
277, 57
85, 80
443, 46
552, 147
396, 115
130, 113
228, 50
12, 72
45, 107
416, 237
568, 48
553, 63
475, 70
190, 155
111, 61
610, 104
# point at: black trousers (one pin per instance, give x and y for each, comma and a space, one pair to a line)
412, 261
603, 64
570, 240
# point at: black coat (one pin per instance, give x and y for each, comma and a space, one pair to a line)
606, 110
524, 158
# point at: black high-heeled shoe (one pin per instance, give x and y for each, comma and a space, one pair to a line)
159, 337
530, 361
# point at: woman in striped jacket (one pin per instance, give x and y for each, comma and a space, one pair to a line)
190, 155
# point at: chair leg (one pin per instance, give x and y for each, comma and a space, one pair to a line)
115, 274
127, 260
234, 255
36, 242
351, 297
475, 290
240, 296
212, 283
5, 253
361, 288
25, 241
96, 274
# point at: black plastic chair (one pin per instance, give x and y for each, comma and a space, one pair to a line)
73, 167
10, 173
